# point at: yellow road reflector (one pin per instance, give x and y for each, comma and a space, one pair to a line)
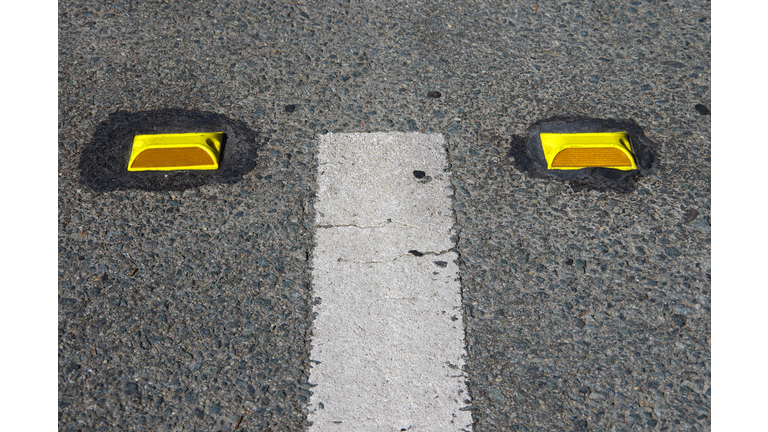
167, 152
571, 151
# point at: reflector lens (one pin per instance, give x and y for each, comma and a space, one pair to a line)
570, 151
590, 157
166, 152
173, 157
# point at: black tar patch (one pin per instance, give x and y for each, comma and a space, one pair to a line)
529, 156
104, 162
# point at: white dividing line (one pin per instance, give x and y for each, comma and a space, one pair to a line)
388, 337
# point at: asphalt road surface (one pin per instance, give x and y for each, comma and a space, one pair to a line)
190, 307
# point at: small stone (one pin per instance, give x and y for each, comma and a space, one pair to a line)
702, 109
678, 320
419, 174
131, 389
598, 396
590, 322
674, 64
690, 215
434, 94
672, 252
580, 425
290, 108
496, 395
701, 225
300, 255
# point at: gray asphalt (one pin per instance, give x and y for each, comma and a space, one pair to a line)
191, 309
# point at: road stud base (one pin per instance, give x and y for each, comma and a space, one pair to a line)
572, 151
170, 152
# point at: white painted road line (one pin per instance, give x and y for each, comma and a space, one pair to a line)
388, 336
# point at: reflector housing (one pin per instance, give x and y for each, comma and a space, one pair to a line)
168, 152
572, 151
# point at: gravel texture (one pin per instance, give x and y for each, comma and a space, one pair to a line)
584, 310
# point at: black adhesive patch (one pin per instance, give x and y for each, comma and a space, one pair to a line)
529, 156
104, 162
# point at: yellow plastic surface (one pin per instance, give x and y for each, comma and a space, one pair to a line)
571, 151
169, 152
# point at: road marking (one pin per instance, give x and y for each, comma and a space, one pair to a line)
388, 337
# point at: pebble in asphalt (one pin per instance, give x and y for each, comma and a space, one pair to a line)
584, 310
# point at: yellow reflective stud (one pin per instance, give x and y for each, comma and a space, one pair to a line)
168, 152
572, 151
